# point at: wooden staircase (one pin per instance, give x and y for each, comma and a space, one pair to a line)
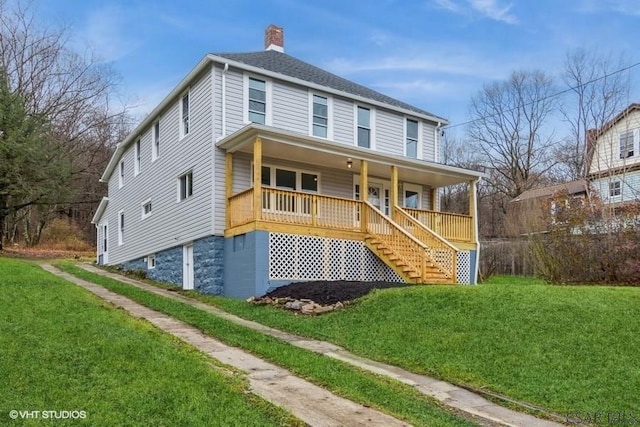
406, 255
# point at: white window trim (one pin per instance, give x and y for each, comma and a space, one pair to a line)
272, 177
329, 114
137, 157
372, 125
181, 115
411, 187
142, 205
151, 261
120, 230
178, 199
154, 141
385, 184
419, 146
121, 172
268, 119
610, 187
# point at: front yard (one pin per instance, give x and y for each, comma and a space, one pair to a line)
63, 350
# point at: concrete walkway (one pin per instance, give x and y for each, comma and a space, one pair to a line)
456, 397
310, 403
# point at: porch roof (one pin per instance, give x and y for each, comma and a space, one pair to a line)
279, 143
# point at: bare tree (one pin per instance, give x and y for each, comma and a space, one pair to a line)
598, 92
75, 95
508, 125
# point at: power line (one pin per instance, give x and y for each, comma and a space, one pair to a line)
562, 92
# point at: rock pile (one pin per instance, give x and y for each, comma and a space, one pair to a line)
304, 306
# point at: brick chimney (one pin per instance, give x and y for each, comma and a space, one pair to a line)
274, 38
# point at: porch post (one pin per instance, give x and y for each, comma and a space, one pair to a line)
394, 189
435, 226
228, 186
473, 209
257, 179
364, 193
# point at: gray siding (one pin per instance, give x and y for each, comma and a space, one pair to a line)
290, 107
389, 132
343, 121
428, 142
629, 187
171, 223
234, 102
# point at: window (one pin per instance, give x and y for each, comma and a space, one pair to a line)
104, 238
137, 163
155, 143
411, 193
626, 145
146, 208
151, 262
121, 227
364, 127
121, 179
288, 179
615, 188
184, 116
320, 116
185, 186
257, 101
411, 140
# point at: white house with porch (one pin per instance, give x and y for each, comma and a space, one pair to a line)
250, 175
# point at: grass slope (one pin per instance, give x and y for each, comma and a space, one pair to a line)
570, 349
381, 393
62, 349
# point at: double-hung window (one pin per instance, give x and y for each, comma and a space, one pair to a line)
626, 145
257, 101
185, 119
138, 162
185, 186
320, 116
364, 127
121, 176
121, 228
411, 138
155, 143
147, 208
615, 188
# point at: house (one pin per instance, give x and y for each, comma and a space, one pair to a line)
613, 159
535, 210
259, 169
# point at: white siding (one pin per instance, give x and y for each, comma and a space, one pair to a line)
171, 223
629, 187
607, 153
428, 142
343, 116
234, 101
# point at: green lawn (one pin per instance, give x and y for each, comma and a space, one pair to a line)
378, 392
569, 349
62, 349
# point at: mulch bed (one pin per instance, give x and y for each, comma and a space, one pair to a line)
325, 292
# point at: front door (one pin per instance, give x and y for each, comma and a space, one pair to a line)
187, 267
376, 196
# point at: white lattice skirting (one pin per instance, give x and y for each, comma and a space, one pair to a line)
297, 257
463, 271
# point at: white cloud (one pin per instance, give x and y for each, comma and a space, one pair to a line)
491, 9
625, 7
104, 33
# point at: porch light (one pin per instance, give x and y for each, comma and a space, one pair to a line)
349, 163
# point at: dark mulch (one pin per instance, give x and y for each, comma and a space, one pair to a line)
325, 292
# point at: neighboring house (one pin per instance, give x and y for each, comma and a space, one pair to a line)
259, 169
613, 158
535, 210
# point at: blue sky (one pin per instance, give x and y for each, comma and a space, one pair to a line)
434, 54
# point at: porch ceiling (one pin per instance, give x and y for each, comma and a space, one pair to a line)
277, 143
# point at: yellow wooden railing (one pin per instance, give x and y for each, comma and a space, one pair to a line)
240, 208
450, 226
442, 253
291, 207
412, 251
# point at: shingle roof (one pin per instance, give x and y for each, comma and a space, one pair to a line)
282, 63
573, 187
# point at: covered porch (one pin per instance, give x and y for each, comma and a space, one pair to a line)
397, 217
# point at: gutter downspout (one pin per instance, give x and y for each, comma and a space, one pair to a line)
436, 158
